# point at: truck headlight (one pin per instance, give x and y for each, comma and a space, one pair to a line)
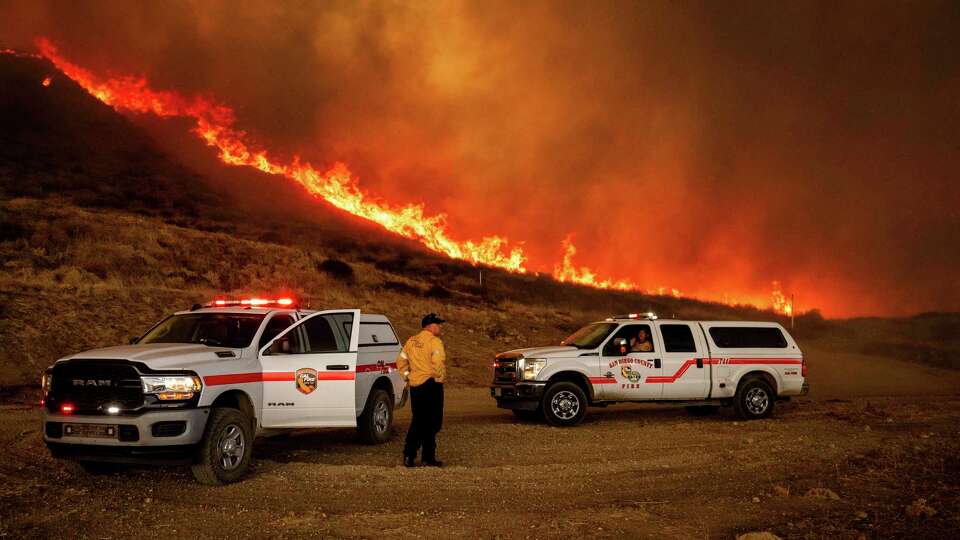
530, 368
171, 387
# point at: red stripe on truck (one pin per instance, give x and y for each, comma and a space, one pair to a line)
241, 378
273, 376
366, 368
732, 361
769, 361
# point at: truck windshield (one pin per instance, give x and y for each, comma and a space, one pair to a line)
233, 330
590, 336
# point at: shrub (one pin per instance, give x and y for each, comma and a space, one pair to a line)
11, 229
400, 287
438, 291
271, 237
337, 269
394, 265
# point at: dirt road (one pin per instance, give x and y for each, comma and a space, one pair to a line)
817, 469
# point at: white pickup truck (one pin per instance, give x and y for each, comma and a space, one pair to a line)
201, 384
637, 358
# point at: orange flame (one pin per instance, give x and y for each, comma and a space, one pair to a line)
567, 272
18, 54
215, 125
779, 301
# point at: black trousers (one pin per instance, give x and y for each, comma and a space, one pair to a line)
426, 404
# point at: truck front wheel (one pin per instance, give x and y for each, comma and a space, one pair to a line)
225, 451
375, 423
754, 399
564, 404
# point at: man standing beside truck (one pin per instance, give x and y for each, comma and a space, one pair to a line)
423, 364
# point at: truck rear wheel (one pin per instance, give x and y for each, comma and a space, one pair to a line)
374, 425
224, 454
754, 399
564, 404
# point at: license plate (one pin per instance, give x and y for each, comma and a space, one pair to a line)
497, 392
93, 431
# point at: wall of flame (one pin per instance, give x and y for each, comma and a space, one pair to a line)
678, 145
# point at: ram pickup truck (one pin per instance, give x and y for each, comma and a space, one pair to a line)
639, 358
202, 383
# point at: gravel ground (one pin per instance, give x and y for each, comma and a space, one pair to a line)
877, 467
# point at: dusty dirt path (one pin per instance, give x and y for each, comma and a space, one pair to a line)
629, 471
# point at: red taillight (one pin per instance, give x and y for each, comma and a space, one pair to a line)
66, 408
803, 367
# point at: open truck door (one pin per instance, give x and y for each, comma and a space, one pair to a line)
309, 372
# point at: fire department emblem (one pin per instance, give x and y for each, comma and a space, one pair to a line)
630, 374
306, 380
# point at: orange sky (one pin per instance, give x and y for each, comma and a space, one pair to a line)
683, 146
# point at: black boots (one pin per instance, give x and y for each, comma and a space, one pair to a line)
411, 461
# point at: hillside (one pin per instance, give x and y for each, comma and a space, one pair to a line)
102, 232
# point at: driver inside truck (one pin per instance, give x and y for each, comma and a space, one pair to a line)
641, 342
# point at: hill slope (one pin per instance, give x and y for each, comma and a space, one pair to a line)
102, 233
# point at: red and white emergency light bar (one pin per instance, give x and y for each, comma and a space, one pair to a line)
252, 302
651, 316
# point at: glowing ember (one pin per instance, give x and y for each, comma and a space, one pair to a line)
12, 52
47, 81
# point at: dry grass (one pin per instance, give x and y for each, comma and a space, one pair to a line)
75, 278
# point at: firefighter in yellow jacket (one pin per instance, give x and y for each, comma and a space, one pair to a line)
423, 364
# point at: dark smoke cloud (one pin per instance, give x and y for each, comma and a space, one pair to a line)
712, 147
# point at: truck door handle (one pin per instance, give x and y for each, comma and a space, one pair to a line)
656, 363
699, 362
608, 374
338, 367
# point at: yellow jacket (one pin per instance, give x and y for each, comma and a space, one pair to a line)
423, 358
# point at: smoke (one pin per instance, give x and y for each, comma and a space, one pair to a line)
712, 148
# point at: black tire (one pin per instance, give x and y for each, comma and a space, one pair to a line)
702, 410
375, 425
564, 404
224, 453
535, 415
754, 399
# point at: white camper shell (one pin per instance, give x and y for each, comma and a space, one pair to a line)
700, 364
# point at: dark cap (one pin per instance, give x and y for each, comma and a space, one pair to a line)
431, 318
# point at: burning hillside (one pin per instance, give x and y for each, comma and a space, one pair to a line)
215, 124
